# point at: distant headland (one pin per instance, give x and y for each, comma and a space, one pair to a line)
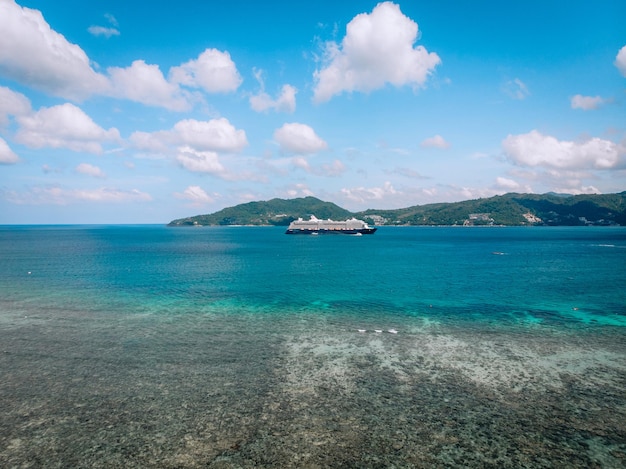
511, 209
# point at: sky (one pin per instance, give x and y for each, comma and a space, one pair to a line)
143, 112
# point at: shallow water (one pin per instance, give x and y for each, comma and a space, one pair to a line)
143, 346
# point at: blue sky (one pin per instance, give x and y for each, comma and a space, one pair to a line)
129, 112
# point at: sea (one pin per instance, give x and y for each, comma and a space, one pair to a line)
242, 347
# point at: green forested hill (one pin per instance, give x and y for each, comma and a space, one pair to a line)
508, 209
272, 212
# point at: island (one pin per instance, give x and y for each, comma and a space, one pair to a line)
510, 209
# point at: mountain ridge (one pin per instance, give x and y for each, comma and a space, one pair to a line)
511, 209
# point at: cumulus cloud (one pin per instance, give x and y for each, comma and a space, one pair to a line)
216, 134
620, 61
377, 49
213, 135
90, 170
261, 102
154, 143
33, 54
586, 103
6, 154
146, 84
536, 149
301, 162
213, 70
285, 102
63, 126
299, 138
12, 104
435, 142
200, 161
195, 194
503, 185
506, 183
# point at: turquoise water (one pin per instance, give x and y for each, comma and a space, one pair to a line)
147, 346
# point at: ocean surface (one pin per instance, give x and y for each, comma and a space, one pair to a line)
242, 347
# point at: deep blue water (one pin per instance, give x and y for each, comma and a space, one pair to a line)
266, 326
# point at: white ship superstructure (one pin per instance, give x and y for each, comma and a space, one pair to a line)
328, 226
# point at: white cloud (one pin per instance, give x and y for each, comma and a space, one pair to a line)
145, 84
111, 19
285, 102
299, 138
103, 31
548, 178
108, 194
586, 103
195, 194
377, 49
435, 142
508, 185
200, 161
216, 134
298, 190
333, 169
63, 126
261, 102
536, 149
54, 195
301, 162
155, 143
620, 61
213, 135
447, 193
35, 55
90, 170
213, 70
6, 154
516, 89
363, 194
577, 190
12, 104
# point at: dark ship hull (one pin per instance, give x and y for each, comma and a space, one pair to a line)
312, 231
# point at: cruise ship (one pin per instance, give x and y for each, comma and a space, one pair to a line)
316, 226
